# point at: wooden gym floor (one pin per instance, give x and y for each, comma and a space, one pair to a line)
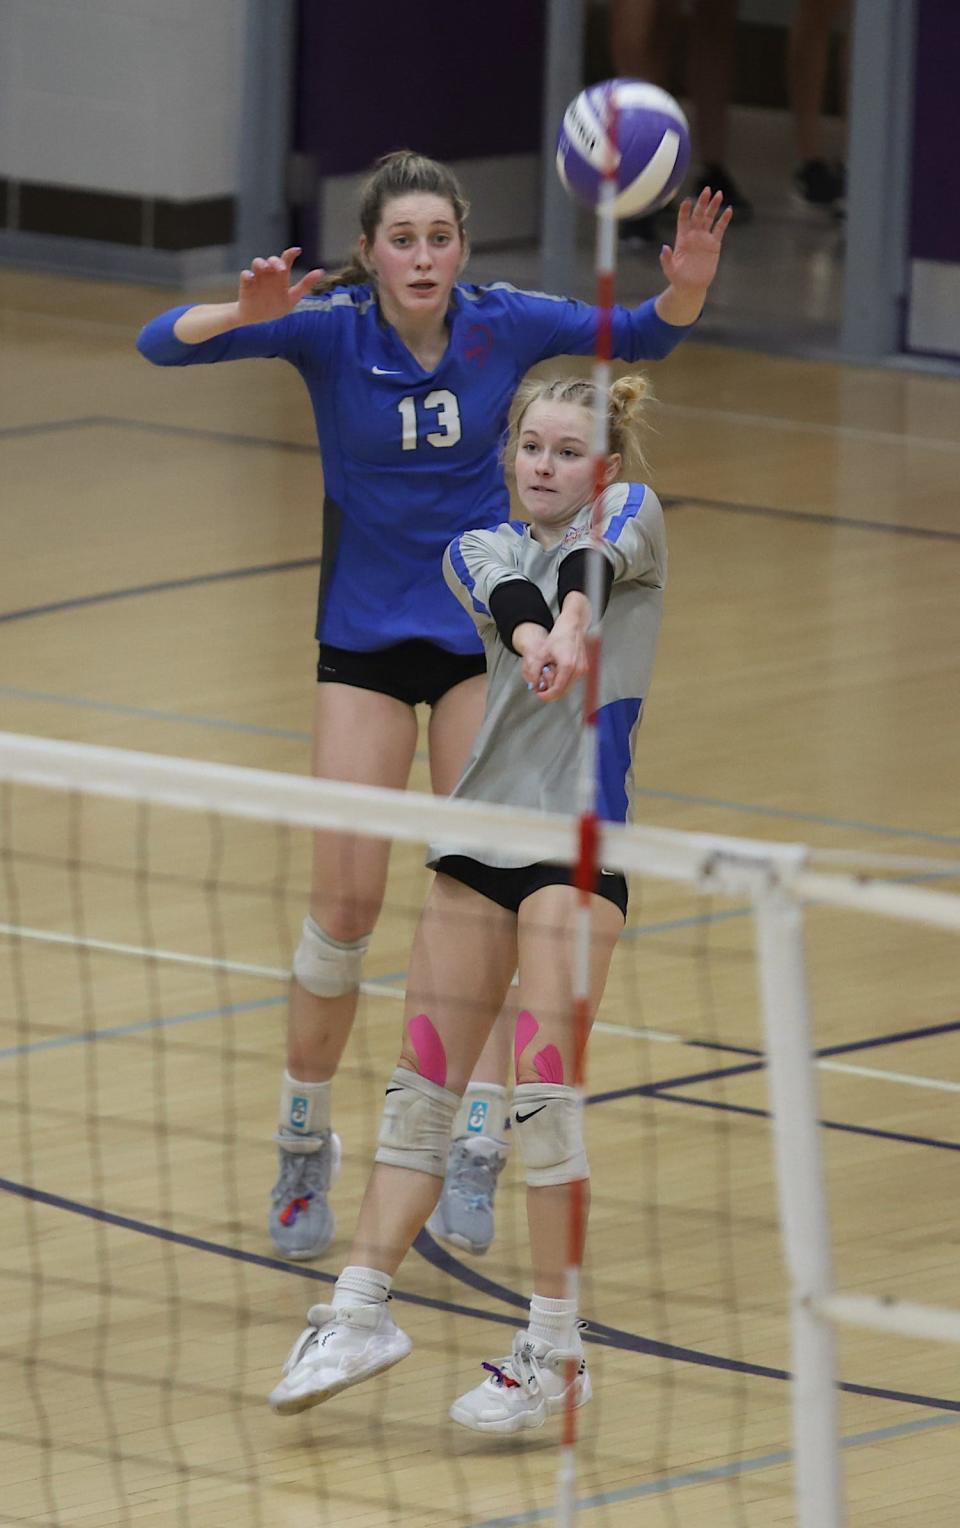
161, 531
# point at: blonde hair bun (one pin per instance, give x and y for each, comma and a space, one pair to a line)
628, 397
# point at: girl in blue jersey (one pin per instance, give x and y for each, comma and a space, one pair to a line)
410, 373
491, 911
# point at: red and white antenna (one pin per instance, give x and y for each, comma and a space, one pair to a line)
588, 832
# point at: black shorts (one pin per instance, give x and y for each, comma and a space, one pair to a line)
411, 671
509, 887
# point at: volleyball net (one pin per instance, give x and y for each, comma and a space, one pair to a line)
148, 910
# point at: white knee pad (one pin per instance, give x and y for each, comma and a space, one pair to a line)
326, 967
417, 1122
546, 1121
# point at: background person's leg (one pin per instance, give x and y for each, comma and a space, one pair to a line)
818, 181
479, 1145
463, 958
370, 739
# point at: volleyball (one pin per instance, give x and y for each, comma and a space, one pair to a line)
644, 130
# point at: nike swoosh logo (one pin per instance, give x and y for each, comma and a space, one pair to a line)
522, 1118
379, 371
393, 1090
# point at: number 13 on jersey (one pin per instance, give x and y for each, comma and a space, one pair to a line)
448, 419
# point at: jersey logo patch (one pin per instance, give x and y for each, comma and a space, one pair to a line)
381, 371
574, 533
478, 343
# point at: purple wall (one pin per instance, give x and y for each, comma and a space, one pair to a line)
458, 79
935, 211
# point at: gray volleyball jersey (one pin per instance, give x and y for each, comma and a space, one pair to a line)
527, 752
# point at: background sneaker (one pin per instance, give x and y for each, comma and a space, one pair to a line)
464, 1215
301, 1222
718, 178
642, 230
819, 184
522, 1391
338, 1349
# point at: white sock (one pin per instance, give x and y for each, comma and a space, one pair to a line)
483, 1112
554, 1321
304, 1107
361, 1286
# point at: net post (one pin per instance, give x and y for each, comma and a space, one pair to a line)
803, 1208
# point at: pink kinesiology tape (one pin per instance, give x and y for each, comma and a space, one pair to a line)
548, 1063
431, 1056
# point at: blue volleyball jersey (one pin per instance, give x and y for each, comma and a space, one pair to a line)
411, 457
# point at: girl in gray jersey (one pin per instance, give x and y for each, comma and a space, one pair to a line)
488, 913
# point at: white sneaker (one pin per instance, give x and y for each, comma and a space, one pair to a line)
523, 1390
338, 1349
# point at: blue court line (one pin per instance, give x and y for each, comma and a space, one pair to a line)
787, 814
391, 978
51, 427
811, 517
783, 814
145, 1026
651, 792
162, 586
670, 501
712, 1475
116, 1031
596, 1332
150, 713
671, 925
196, 432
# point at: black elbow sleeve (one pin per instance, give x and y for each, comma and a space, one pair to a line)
514, 602
575, 572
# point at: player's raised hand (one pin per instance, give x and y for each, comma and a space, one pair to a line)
266, 291
691, 264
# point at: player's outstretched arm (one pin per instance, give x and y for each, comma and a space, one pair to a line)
553, 665
529, 640
265, 293
691, 264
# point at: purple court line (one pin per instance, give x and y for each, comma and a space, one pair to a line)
606, 1336
896, 1039
827, 1124
848, 1048
719, 1045
655, 1090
